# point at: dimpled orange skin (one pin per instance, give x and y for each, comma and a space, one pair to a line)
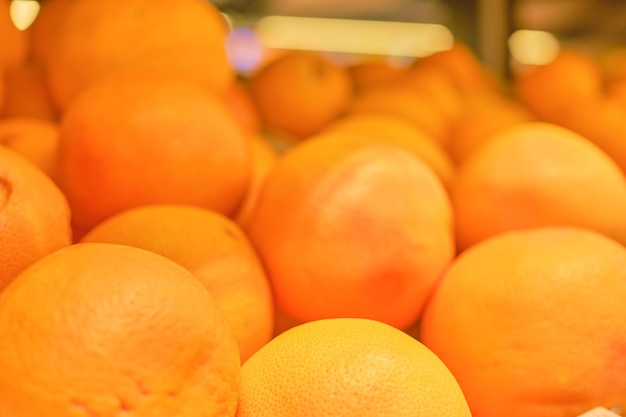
531, 323
110, 330
362, 233
34, 215
215, 250
348, 368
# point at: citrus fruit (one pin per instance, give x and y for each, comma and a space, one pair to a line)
538, 174
299, 92
361, 129
145, 138
352, 232
97, 38
348, 367
530, 323
105, 329
34, 215
215, 250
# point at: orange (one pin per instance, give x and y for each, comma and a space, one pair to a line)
360, 129
99, 38
215, 250
104, 329
35, 139
27, 93
237, 98
144, 138
14, 48
299, 92
34, 215
436, 86
538, 174
348, 368
604, 124
347, 232
531, 323
398, 100
552, 90
464, 68
373, 71
264, 156
480, 120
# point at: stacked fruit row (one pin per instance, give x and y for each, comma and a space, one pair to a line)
313, 238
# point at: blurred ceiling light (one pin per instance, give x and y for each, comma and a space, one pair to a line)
24, 12
533, 47
353, 36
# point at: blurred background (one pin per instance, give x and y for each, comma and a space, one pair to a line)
501, 32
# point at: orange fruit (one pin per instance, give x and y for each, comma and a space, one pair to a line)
347, 232
105, 329
435, 85
14, 41
144, 138
552, 90
27, 93
34, 215
299, 92
480, 120
373, 71
361, 129
215, 250
400, 101
34, 138
347, 367
538, 174
264, 157
100, 38
531, 323
604, 124
464, 69
237, 99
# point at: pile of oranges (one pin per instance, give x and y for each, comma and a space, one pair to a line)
313, 238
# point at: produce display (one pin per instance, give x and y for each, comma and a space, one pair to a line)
312, 237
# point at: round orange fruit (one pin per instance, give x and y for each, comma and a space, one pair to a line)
348, 368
